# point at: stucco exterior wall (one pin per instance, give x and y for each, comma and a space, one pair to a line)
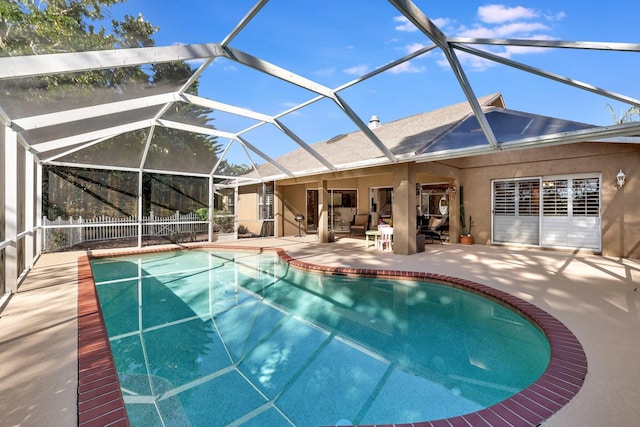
248, 208
620, 216
294, 199
620, 221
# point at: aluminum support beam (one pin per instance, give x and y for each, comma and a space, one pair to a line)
549, 75
363, 127
244, 21
304, 145
76, 114
56, 63
276, 71
424, 24
219, 106
10, 210
593, 134
195, 129
622, 47
264, 156
89, 136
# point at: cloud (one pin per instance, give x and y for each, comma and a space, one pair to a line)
493, 21
556, 17
469, 62
413, 47
520, 29
442, 22
405, 25
357, 70
498, 13
325, 72
407, 67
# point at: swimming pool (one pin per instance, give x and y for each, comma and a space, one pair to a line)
221, 338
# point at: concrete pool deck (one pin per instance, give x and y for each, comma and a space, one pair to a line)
596, 297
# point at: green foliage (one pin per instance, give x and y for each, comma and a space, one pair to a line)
627, 117
230, 169
175, 237
35, 28
203, 214
56, 240
57, 26
466, 231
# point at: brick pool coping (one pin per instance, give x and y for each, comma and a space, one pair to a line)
100, 400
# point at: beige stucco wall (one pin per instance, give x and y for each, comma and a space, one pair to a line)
248, 208
620, 217
294, 200
294, 190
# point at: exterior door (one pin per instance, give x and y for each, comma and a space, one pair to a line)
571, 212
552, 211
516, 211
312, 211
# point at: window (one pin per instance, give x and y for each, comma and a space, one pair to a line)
529, 198
504, 200
555, 197
516, 198
586, 197
265, 201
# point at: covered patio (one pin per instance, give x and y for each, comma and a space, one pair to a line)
595, 296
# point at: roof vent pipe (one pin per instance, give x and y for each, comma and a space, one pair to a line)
374, 122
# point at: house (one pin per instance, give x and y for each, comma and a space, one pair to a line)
560, 192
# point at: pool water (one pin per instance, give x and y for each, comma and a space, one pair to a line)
206, 338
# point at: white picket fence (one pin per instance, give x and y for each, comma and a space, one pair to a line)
60, 233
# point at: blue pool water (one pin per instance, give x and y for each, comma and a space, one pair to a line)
205, 338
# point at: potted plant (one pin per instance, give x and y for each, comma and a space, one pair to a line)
466, 238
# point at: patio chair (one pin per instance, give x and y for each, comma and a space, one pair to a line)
359, 224
385, 240
434, 227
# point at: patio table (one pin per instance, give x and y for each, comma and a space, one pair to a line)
375, 234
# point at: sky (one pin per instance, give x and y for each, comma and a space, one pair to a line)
334, 41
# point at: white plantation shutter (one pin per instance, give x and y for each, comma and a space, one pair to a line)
516, 207
571, 213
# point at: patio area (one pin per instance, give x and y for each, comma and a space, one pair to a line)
596, 297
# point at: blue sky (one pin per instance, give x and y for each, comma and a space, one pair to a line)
335, 41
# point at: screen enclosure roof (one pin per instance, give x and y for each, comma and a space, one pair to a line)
246, 96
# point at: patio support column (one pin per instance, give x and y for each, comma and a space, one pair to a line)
454, 213
11, 209
404, 209
139, 207
38, 210
278, 212
29, 209
323, 211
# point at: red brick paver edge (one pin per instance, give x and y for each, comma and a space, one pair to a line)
100, 399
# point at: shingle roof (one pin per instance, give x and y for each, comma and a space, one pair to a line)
404, 137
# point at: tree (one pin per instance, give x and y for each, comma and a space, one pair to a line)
55, 26
627, 117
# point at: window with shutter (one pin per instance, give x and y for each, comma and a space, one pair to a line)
504, 199
555, 196
586, 197
265, 201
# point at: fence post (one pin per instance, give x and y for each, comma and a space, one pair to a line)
45, 222
80, 230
